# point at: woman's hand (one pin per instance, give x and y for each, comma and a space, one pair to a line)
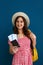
12, 49
15, 49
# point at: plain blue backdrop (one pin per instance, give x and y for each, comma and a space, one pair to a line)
34, 9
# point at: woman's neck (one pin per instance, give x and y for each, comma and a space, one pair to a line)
20, 31
21, 34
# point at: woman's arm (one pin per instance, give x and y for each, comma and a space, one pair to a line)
11, 49
33, 37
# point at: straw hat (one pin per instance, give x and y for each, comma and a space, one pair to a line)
20, 14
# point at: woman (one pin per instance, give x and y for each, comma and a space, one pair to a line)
26, 39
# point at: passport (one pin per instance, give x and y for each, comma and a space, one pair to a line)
14, 40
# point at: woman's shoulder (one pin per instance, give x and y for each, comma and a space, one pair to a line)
32, 34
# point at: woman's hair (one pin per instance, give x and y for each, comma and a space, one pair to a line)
25, 30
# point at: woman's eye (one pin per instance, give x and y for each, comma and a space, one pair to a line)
21, 21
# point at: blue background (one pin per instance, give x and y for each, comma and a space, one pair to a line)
34, 9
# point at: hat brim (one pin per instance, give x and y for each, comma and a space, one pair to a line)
23, 15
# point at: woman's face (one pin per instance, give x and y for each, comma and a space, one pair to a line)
20, 23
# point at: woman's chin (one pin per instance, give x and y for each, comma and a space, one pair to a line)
20, 28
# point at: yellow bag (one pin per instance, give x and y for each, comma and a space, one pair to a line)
35, 57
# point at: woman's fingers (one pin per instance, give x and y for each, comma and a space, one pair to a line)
9, 42
15, 49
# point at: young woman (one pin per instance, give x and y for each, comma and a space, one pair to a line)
26, 40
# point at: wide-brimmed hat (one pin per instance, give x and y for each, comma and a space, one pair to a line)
20, 14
